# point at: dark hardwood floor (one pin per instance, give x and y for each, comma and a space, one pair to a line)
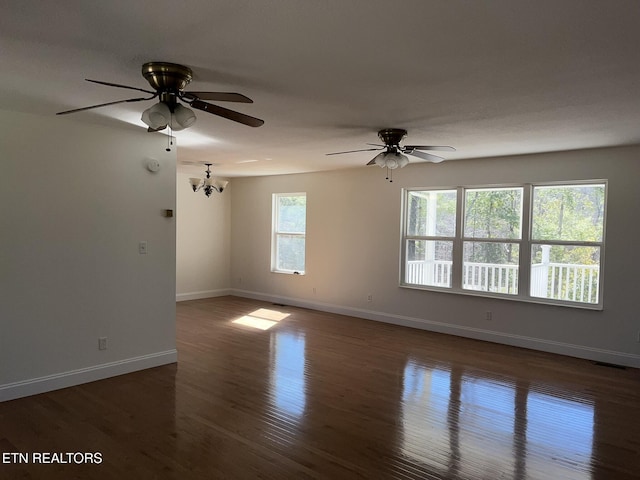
323, 396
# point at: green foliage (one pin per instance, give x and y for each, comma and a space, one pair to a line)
572, 214
491, 252
431, 213
493, 213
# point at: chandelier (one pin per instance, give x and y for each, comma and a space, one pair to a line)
208, 184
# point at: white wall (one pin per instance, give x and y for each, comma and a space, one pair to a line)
203, 241
353, 240
76, 200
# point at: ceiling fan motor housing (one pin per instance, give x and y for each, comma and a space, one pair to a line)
165, 76
169, 79
392, 136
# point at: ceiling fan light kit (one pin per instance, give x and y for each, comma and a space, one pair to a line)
208, 184
391, 160
394, 156
159, 116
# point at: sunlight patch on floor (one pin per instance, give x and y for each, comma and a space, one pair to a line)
261, 319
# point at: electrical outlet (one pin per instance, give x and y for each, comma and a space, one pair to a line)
369, 298
102, 343
314, 290
638, 337
488, 316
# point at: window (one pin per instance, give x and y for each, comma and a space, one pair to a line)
492, 234
567, 239
539, 243
289, 229
431, 227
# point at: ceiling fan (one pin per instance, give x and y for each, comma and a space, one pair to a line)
393, 155
168, 81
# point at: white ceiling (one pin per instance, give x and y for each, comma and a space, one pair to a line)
489, 77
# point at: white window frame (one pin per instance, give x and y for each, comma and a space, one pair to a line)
275, 233
525, 245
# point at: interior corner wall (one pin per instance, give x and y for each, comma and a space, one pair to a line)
353, 251
77, 200
203, 241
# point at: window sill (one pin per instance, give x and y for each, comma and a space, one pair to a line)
513, 298
288, 272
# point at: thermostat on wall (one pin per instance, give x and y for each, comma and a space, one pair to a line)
153, 165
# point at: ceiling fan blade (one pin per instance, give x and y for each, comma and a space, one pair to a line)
120, 86
354, 151
376, 144
151, 130
226, 113
104, 105
425, 156
218, 96
430, 147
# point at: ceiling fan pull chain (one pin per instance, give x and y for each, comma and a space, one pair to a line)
169, 139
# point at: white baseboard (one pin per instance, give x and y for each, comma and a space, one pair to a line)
35, 386
181, 297
551, 346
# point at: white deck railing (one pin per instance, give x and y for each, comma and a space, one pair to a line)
562, 281
490, 277
577, 283
436, 273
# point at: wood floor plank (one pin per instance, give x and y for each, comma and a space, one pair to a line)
324, 396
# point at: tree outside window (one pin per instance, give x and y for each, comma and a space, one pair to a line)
289, 232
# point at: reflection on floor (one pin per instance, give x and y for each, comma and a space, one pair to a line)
287, 373
463, 425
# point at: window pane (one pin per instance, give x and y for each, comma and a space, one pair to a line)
429, 263
490, 267
493, 213
565, 272
431, 213
568, 212
290, 253
292, 214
